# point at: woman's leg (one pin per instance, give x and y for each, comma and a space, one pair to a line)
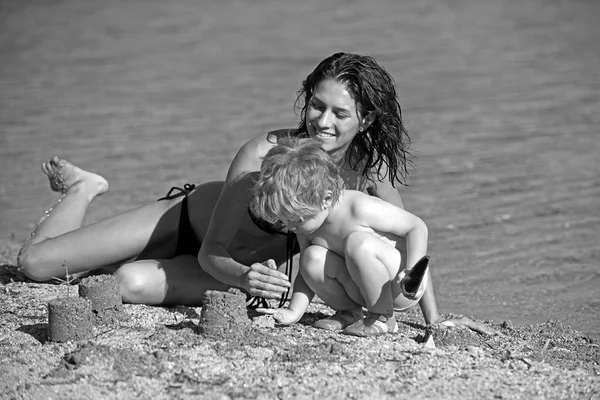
165, 282
374, 266
59, 240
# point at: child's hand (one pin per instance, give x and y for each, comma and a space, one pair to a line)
283, 316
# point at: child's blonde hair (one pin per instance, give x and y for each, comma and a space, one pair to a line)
293, 180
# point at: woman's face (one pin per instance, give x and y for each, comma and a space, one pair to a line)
332, 116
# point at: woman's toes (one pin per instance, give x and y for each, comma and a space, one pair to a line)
62, 176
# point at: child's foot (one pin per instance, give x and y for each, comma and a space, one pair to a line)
414, 282
372, 325
339, 320
63, 176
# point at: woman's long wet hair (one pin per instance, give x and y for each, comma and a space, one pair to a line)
384, 145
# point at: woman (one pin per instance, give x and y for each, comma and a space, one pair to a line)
349, 104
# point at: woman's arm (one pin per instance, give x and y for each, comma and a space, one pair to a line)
214, 257
385, 191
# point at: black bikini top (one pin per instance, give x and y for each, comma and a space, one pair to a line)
273, 229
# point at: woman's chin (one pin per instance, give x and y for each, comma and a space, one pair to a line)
328, 143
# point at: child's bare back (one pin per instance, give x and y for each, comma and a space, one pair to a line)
351, 214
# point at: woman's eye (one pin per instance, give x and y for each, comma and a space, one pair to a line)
316, 106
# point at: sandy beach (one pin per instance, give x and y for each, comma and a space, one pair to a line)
160, 353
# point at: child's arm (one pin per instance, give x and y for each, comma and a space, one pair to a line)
301, 297
386, 218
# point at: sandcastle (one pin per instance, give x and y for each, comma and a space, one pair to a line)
104, 294
224, 315
70, 318
73, 318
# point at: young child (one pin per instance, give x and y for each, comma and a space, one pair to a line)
300, 185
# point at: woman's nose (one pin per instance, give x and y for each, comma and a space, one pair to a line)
324, 120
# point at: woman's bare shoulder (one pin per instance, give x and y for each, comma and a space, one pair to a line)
250, 155
266, 140
286, 132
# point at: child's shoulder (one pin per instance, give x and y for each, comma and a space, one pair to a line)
358, 196
359, 202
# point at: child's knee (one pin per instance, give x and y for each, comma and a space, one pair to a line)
358, 243
313, 259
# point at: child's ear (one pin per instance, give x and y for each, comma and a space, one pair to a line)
327, 200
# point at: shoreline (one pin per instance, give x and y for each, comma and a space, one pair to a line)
9, 249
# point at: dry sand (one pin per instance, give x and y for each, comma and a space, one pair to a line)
159, 353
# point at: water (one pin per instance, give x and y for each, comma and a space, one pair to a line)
500, 97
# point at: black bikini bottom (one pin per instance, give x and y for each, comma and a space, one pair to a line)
187, 242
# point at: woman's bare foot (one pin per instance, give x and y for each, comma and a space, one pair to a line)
63, 176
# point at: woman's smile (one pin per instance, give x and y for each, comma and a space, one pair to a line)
332, 117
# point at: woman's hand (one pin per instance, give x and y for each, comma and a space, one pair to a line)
466, 322
263, 280
283, 316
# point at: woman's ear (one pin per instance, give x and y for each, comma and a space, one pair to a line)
367, 121
327, 200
